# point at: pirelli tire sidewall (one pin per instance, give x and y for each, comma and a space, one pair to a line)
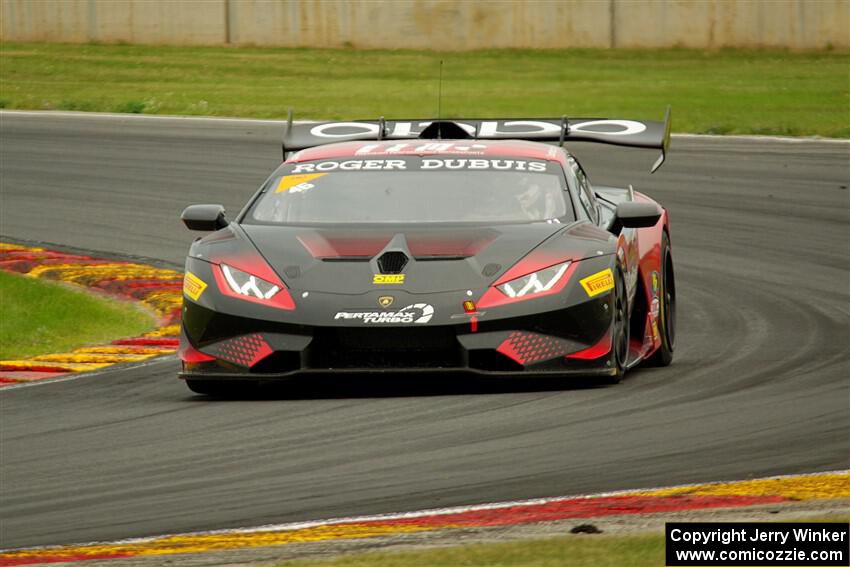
620, 328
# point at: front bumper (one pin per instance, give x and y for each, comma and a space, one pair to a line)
566, 341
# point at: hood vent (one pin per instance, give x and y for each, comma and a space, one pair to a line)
491, 269
392, 262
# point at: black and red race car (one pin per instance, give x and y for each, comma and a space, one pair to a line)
438, 246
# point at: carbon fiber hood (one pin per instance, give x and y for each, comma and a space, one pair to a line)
438, 259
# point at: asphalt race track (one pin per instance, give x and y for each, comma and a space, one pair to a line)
759, 385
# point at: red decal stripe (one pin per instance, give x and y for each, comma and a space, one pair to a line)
38, 559
587, 508
601, 348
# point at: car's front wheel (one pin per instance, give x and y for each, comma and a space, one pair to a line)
215, 388
620, 330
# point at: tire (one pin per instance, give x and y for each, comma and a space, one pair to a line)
620, 330
667, 309
216, 388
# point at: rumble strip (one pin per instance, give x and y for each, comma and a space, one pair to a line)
774, 490
156, 288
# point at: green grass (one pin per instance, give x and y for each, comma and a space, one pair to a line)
584, 551
644, 550
39, 317
721, 92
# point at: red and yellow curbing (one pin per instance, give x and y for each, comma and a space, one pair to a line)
158, 289
821, 486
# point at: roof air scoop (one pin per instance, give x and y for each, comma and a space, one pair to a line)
394, 257
392, 262
445, 129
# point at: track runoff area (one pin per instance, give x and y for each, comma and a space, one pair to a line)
700, 543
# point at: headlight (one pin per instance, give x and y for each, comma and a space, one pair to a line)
245, 284
536, 282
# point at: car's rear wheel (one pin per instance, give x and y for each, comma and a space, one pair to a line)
667, 308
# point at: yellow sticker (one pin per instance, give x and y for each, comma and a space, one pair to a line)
290, 181
599, 282
388, 279
654, 330
193, 286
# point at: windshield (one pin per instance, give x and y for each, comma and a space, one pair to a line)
415, 190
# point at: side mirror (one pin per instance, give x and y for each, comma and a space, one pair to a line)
204, 217
637, 214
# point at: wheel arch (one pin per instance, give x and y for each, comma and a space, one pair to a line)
650, 241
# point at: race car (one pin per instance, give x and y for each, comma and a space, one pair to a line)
464, 246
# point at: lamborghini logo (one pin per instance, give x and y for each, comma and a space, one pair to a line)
386, 300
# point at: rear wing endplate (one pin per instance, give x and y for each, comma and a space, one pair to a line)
634, 133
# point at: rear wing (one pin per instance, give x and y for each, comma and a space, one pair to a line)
634, 133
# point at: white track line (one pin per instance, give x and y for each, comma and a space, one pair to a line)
213, 119
789, 139
154, 117
420, 513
